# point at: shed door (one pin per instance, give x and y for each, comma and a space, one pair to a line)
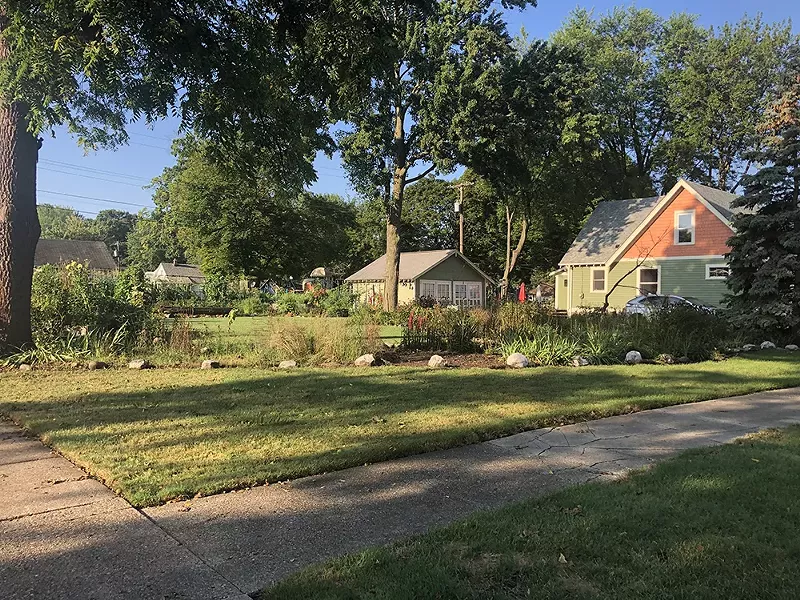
467, 294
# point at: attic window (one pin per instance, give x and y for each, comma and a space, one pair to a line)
684, 227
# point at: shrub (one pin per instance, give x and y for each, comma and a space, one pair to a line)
441, 328
256, 304
291, 303
338, 302
545, 346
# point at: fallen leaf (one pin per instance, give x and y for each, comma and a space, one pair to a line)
755, 460
562, 559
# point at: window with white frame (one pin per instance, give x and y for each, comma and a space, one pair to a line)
443, 291
717, 271
649, 280
598, 280
427, 289
459, 291
684, 227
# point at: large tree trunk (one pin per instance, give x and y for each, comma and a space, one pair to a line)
393, 216
19, 223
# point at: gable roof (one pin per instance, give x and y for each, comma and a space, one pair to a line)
413, 265
611, 223
181, 273
614, 223
59, 252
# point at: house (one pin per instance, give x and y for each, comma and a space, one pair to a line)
175, 273
94, 255
445, 275
672, 244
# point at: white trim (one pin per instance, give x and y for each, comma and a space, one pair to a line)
639, 278
592, 271
658, 209
664, 258
719, 266
570, 278
676, 227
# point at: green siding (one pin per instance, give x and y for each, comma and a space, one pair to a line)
683, 277
453, 269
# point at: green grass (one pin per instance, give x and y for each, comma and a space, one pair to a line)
172, 433
709, 524
247, 330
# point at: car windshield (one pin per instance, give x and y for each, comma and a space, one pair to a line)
655, 300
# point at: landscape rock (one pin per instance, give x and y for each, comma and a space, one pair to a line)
205, 350
437, 362
139, 365
749, 347
210, 364
287, 364
634, 357
156, 341
667, 359
792, 347
767, 346
365, 360
517, 361
683, 360
94, 365
25, 367
580, 361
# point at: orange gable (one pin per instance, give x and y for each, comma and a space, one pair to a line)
658, 240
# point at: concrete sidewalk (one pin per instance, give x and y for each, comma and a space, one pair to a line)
63, 535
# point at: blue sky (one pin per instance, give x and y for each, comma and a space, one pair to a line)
115, 179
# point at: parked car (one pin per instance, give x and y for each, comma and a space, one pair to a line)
645, 305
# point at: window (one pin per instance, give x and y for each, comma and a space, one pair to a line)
459, 291
649, 280
443, 292
684, 227
717, 271
598, 280
566, 282
427, 289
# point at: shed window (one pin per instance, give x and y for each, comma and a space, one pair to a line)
443, 291
428, 289
684, 227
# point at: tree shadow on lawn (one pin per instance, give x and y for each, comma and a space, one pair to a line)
160, 442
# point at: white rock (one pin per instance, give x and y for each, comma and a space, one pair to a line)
94, 365
437, 362
210, 364
792, 347
517, 361
365, 360
634, 357
767, 346
287, 364
139, 365
25, 367
749, 347
580, 361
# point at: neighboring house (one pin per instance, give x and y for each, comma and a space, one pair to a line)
445, 275
94, 255
672, 244
176, 273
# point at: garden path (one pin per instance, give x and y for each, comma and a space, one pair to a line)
63, 535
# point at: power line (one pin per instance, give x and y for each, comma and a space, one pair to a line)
91, 177
147, 135
151, 146
62, 165
93, 198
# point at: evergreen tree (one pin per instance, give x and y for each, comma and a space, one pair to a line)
765, 255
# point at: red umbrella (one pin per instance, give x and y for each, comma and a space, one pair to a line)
522, 295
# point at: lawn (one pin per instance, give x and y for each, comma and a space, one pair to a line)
162, 434
714, 523
247, 330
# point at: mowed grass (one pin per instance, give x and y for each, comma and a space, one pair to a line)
709, 524
251, 330
162, 434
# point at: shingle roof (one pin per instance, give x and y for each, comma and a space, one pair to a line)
614, 221
59, 252
412, 265
611, 223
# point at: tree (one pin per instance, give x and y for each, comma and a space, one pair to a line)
438, 66
249, 224
113, 227
61, 222
153, 240
259, 74
765, 250
720, 82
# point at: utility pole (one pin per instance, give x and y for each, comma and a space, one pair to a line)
459, 208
